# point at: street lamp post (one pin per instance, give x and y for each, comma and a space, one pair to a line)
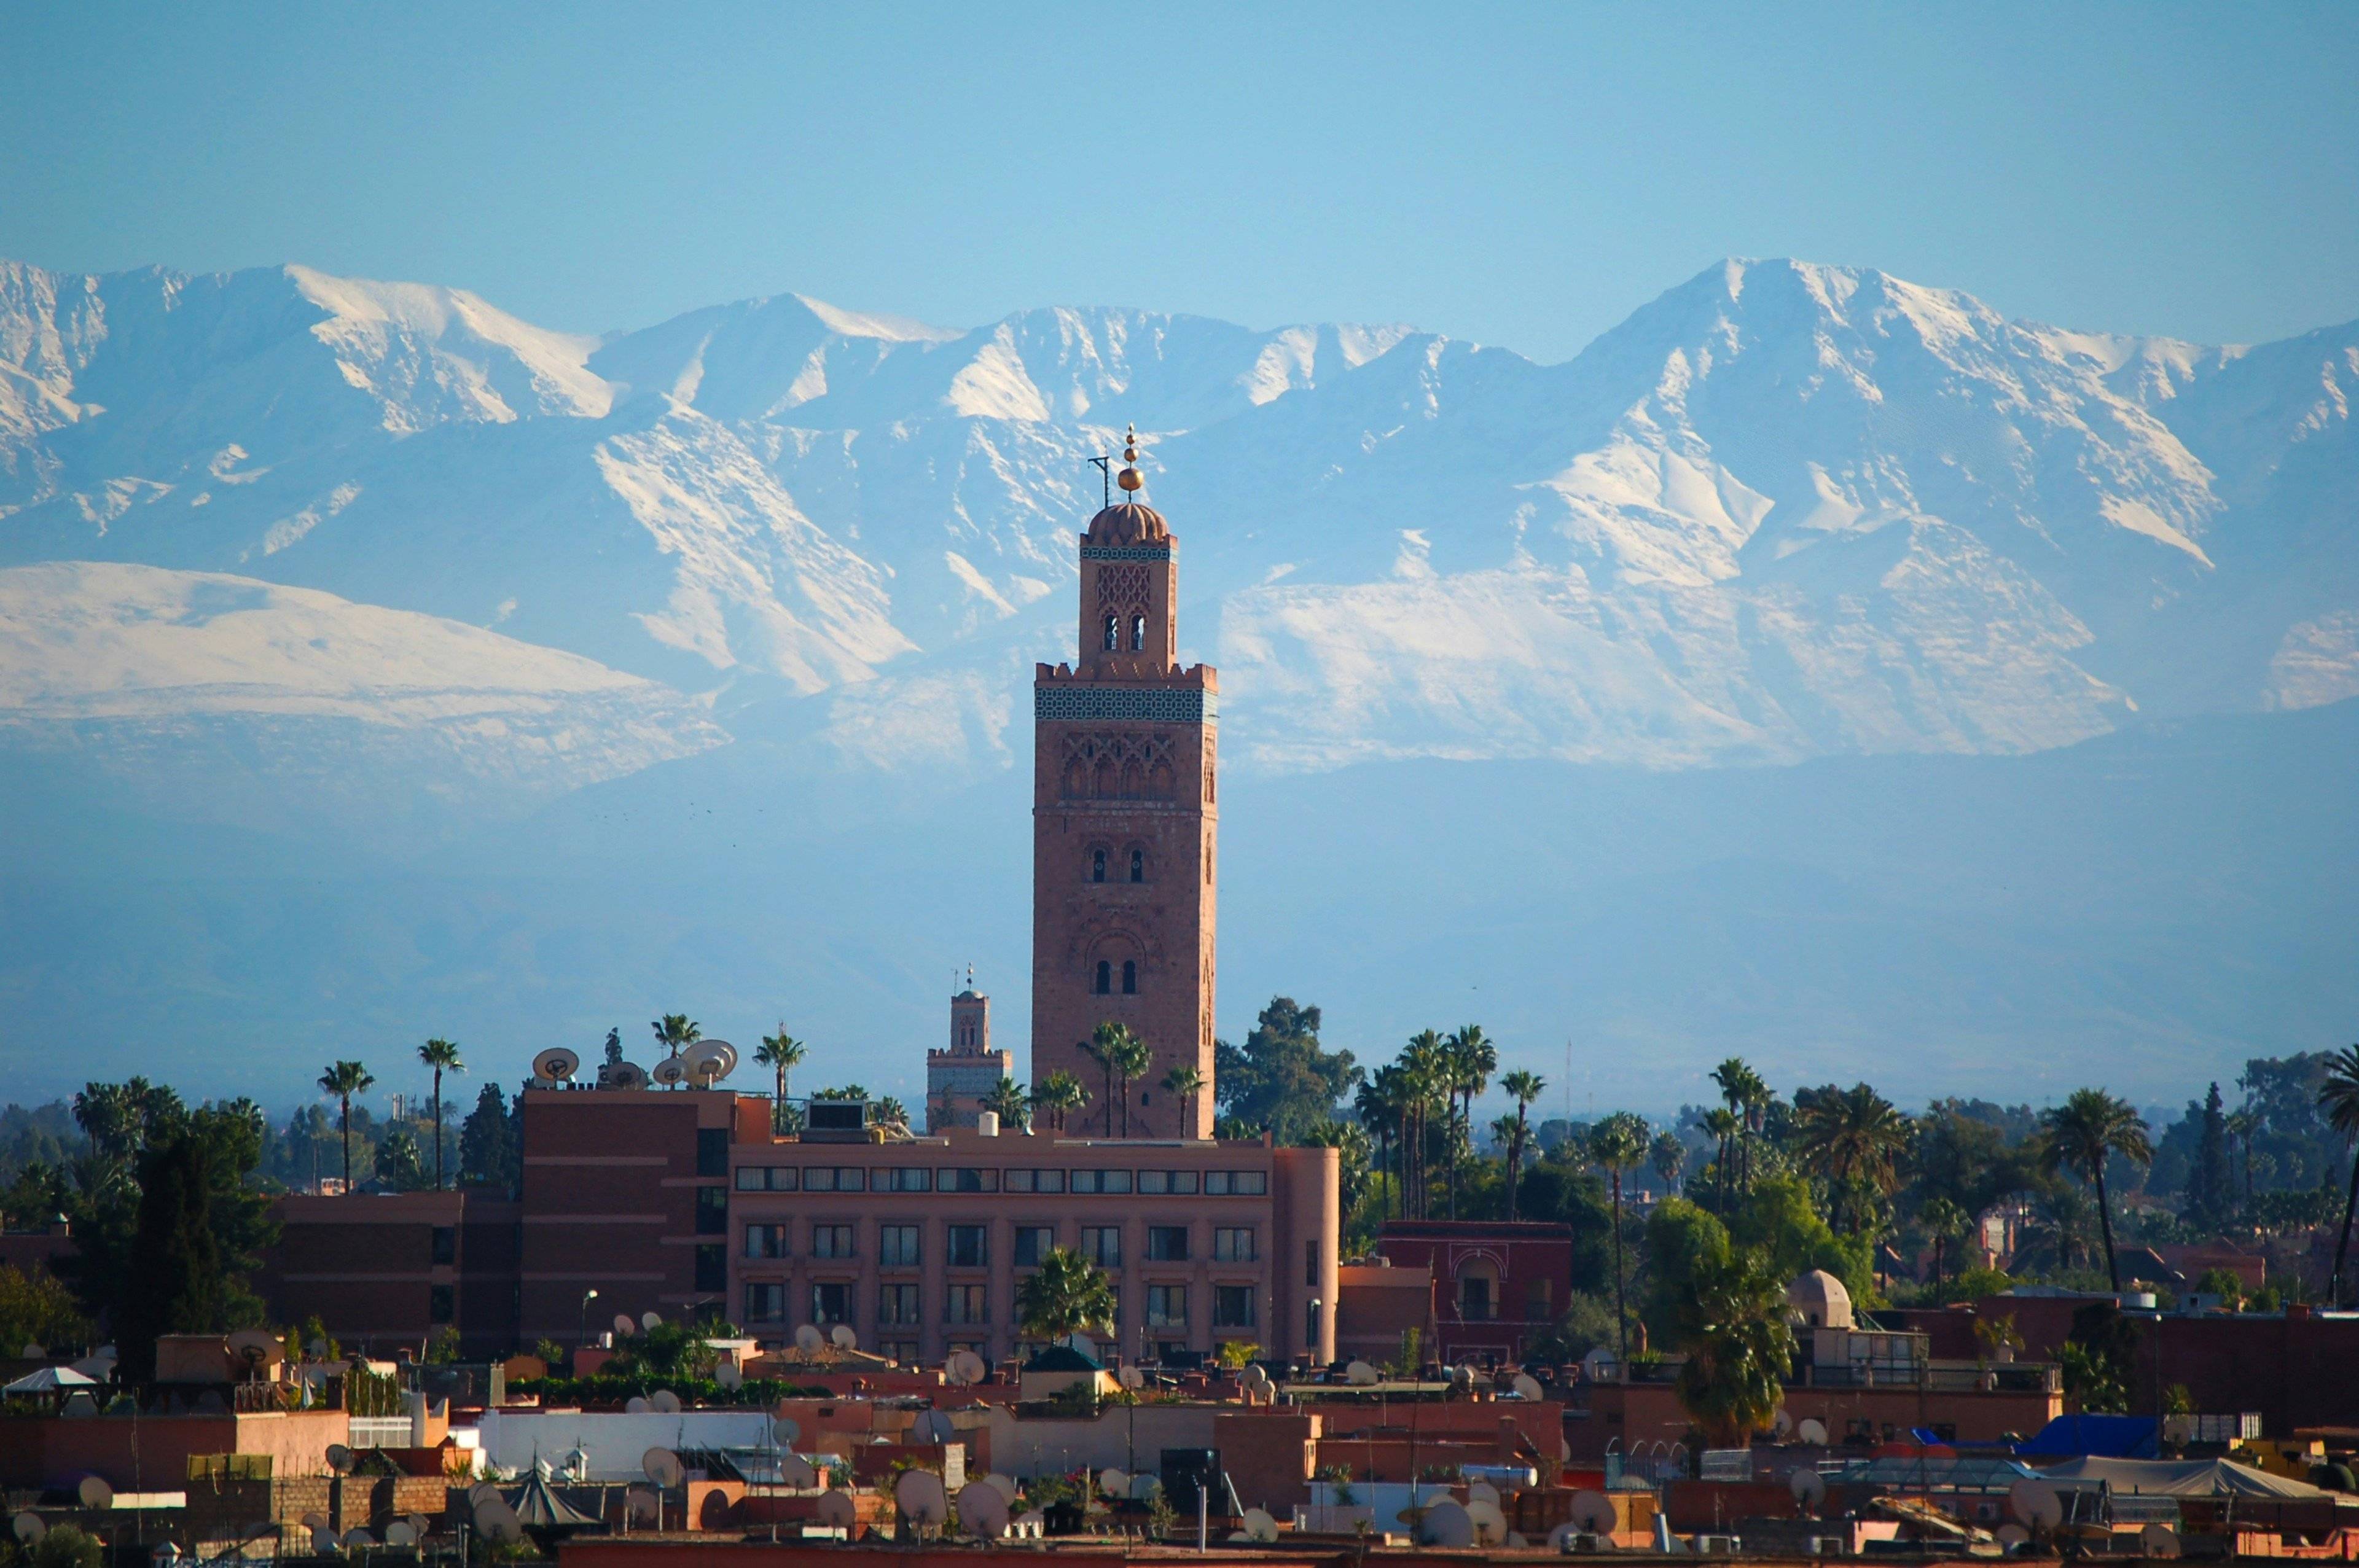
587, 1297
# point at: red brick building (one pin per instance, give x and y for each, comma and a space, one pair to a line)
1126, 815
1495, 1284
384, 1270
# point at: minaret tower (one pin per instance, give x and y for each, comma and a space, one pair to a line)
1124, 816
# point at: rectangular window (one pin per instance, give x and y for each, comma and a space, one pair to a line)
819, 1179
1234, 1246
1153, 1182
441, 1303
831, 1302
1166, 1244
774, 1178
1216, 1183
782, 1178
897, 1307
712, 1150
967, 1303
1036, 1180
896, 1246
1100, 1181
1183, 1181
830, 1241
1311, 1263
1236, 1184
446, 1244
1233, 1306
904, 1179
1101, 1245
969, 1180
904, 1351
970, 1247
765, 1303
712, 1211
765, 1241
712, 1266
835, 1178
1167, 1306
1033, 1242
1538, 1302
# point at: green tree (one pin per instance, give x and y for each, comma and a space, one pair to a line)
1523, 1087
1747, 1094
1778, 1220
1106, 1043
1469, 1058
2338, 1100
1132, 1059
1852, 1139
1739, 1346
37, 1308
2098, 1359
2081, 1135
1617, 1144
442, 1056
1186, 1082
174, 1282
1668, 1155
398, 1167
781, 1052
488, 1154
66, 1546
1377, 1104
1066, 1295
1723, 1126
2210, 1187
1282, 1080
341, 1082
1057, 1095
2243, 1125
1943, 1220
1586, 1323
1006, 1102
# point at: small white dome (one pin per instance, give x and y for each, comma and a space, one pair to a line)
1821, 1299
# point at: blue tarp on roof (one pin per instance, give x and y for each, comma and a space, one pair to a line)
2098, 1436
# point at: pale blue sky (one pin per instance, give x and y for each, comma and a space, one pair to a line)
1523, 175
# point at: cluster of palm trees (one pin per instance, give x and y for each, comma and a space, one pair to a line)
1426, 1095
343, 1079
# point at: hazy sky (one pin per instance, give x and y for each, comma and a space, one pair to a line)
1520, 176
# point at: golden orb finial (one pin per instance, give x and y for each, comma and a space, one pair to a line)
1130, 479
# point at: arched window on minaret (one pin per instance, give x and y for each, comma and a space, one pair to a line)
1138, 865
1138, 634
1113, 634
1097, 865
1130, 976
1105, 977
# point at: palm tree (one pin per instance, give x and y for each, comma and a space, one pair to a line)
1186, 1082
442, 1056
1942, 1219
1059, 1095
2338, 1096
1422, 1065
1376, 1103
344, 1080
2080, 1135
2244, 1125
1723, 1124
781, 1052
675, 1030
1471, 1059
1852, 1138
1618, 1143
1068, 1294
1102, 1046
1006, 1102
1524, 1087
1747, 1095
1132, 1058
1739, 1346
1669, 1156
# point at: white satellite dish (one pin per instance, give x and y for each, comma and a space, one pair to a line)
636, 1405
1593, 1513
663, 1401
1260, 1526
257, 1346
622, 1075
556, 1063
1781, 1425
339, 1458
1359, 1374
650, 1319
1812, 1431
1809, 1487
786, 1429
807, 1339
1113, 1483
1256, 1376
1005, 1485
837, 1510
30, 1527
1482, 1492
323, 1540
1561, 1539
919, 1495
662, 1466
965, 1367
709, 1061
843, 1337
1528, 1387
95, 1493
644, 1504
1446, 1523
1461, 1377
669, 1072
2158, 1541
2036, 1504
797, 1472
479, 1494
1490, 1524
1131, 1378
730, 1376
981, 1511
500, 1522
401, 1532
358, 1536
1143, 1488
420, 1524
931, 1426
2013, 1535
626, 1325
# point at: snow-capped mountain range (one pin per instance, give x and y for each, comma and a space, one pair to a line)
1786, 510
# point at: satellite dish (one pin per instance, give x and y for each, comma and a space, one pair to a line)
786, 1429
1809, 1487
1260, 1526
1482, 1492
1446, 1523
797, 1472
1593, 1513
663, 1401
556, 1063
1528, 1387
500, 1522
1131, 1378
1490, 1524
1142, 1488
1113, 1483
650, 1319
730, 1376
1005, 1484
1812, 1431
965, 1367
709, 1061
1461, 1377
257, 1346
837, 1509
843, 1336
643, 1504
933, 1426
401, 1532
636, 1405
662, 1466
1559, 1539
30, 1527
339, 1458
2013, 1535
2036, 1504
623, 1076
626, 1325
919, 1495
358, 1536
1781, 1425
95, 1493
982, 1511
479, 1494
669, 1072
1359, 1374
1256, 1376
417, 1522
2159, 1540
808, 1339
323, 1540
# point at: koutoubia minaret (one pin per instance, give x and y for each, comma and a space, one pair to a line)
1125, 819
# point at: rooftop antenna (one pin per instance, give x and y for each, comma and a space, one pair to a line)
1104, 465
